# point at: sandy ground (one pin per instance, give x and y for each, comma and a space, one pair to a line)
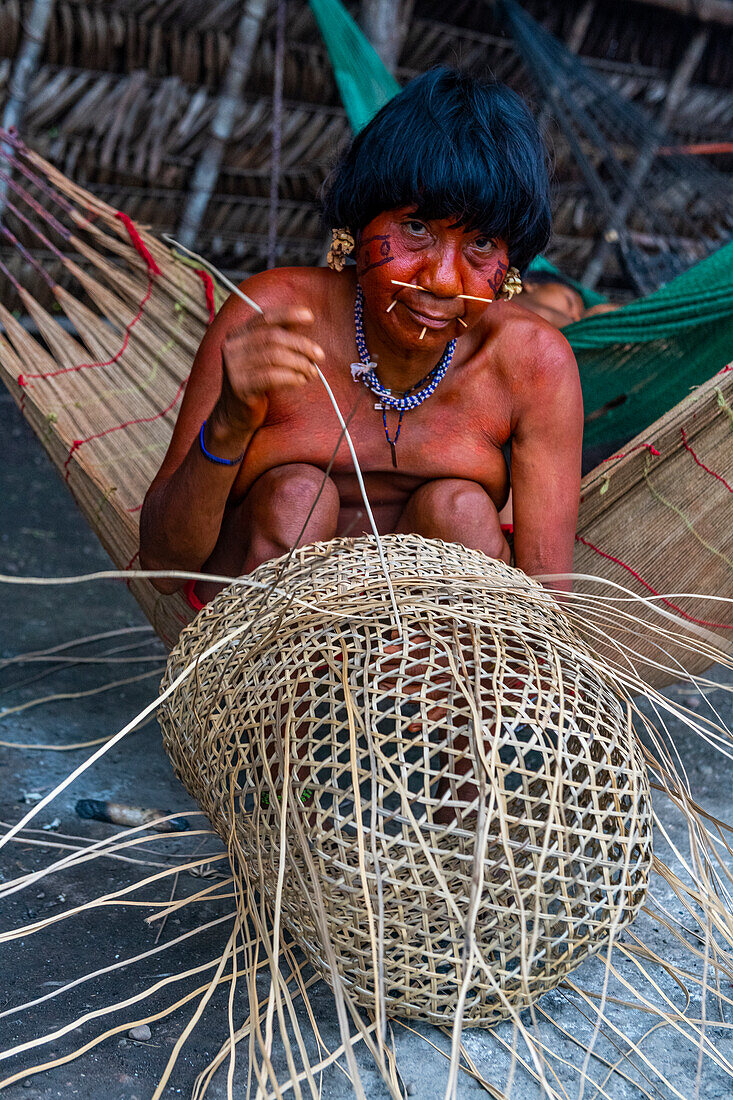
43, 534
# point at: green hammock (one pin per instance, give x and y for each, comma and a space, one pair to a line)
364, 83
635, 363
639, 361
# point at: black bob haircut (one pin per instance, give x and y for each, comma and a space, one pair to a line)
452, 146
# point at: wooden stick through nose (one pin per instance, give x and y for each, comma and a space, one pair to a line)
416, 286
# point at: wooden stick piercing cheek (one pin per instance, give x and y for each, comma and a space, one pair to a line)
391, 305
461, 322
473, 298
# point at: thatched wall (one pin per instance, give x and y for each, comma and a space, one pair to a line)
125, 95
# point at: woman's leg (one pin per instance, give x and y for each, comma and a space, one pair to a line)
286, 507
455, 510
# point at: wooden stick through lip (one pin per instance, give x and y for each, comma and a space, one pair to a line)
470, 297
473, 298
417, 286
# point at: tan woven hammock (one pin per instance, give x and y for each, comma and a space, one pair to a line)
658, 519
348, 768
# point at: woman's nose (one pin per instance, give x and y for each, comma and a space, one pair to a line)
441, 274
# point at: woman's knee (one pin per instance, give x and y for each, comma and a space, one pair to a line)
450, 501
287, 494
457, 510
455, 492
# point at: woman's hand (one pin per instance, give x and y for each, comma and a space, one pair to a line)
259, 356
602, 307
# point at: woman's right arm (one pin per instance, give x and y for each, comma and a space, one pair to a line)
242, 357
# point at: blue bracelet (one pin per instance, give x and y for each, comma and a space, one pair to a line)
214, 458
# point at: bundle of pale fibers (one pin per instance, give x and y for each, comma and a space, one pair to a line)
431, 794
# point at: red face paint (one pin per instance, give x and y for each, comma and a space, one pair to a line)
443, 259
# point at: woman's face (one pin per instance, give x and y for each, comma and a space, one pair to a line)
564, 303
442, 260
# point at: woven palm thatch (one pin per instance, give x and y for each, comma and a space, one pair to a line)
125, 94
102, 391
478, 780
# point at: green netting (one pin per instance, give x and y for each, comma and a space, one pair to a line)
635, 363
639, 361
364, 83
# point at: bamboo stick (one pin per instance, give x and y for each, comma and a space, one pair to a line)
207, 169
26, 65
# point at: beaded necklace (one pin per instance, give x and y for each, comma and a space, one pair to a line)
366, 373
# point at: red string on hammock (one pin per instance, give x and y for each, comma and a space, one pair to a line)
640, 579
702, 464
118, 427
23, 379
138, 242
639, 446
209, 289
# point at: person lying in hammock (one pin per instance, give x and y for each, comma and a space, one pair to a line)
557, 300
451, 393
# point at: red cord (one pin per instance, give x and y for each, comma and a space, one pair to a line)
209, 288
138, 242
640, 579
117, 427
23, 379
623, 454
702, 464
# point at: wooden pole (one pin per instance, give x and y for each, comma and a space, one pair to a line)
25, 68
26, 63
675, 90
385, 23
277, 133
206, 172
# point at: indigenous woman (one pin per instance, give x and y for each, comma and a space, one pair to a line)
454, 393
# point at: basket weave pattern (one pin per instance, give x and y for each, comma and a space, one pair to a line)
473, 775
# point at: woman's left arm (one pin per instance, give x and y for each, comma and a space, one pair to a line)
546, 458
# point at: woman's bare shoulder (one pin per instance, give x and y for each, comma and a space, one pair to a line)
530, 347
314, 287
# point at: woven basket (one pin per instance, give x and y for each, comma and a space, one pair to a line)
403, 828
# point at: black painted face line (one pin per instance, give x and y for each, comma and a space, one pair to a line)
498, 277
366, 252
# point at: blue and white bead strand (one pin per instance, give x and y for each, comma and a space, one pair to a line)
366, 373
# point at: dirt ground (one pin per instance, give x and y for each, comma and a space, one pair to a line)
43, 534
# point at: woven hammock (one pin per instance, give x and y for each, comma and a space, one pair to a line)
119, 319
538, 841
